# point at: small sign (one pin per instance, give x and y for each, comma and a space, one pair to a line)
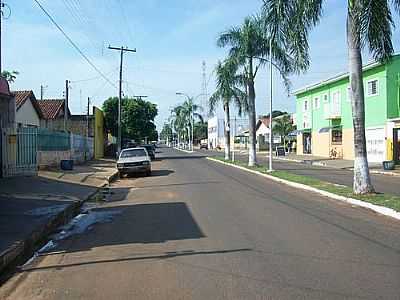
12, 139
280, 151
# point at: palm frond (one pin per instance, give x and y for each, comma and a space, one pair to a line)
375, 24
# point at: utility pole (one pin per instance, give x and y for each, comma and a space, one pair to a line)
87, 117
271, 73
1, 16
41, 90
65, 103
122, 50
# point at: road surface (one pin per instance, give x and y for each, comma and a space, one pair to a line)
200, 230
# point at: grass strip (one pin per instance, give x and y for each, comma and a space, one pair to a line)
381, 199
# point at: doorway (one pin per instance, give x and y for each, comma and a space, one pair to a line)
307, 142
396, 145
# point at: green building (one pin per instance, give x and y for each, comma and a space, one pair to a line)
324, 117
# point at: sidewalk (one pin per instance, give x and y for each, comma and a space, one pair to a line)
375, 168
32, 207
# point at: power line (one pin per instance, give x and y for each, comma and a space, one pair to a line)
74, 45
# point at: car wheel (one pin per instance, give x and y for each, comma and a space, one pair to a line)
148, 173
121, 175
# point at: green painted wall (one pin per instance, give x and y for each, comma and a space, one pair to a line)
393, 88
377, 108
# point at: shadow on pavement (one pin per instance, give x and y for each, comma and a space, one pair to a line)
140, 223
165, 255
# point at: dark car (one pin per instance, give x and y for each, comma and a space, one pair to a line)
150, 150
203, 146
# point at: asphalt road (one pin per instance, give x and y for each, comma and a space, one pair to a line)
382, 183
200, 230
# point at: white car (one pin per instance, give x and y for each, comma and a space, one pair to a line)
134, 160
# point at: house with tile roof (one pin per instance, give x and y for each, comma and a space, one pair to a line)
7, 105
28, 113
53, 113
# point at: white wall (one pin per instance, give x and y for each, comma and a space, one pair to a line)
27, 115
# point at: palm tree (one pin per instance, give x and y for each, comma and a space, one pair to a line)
283, 126
182, 116
369, 22
250, 48
227, 90
246, 44
10, 76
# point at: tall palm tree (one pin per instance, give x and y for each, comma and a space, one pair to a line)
246, 44
369, 22
227, 91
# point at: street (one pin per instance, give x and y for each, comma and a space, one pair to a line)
196, 229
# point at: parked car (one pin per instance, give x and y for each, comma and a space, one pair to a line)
203, 146
134, 160
150, 150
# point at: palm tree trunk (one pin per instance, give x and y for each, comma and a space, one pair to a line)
227, 131
252, 116
362, 181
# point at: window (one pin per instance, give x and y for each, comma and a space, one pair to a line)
326, 99
348, 94
305, 105
316, 103
337, 136
372, 87
336, 104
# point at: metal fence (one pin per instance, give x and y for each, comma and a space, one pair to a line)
19, 151
82, 148
53, 140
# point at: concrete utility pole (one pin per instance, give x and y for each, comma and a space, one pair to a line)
87, 117
1, 16
122, 50
270, 106
66, 103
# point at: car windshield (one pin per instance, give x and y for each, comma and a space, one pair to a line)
133, 153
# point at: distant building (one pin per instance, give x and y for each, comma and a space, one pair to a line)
52, 114
81, 124
216, 136
28, 113
7, 105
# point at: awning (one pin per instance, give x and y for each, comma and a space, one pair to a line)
294, 133
327, 129
307, 130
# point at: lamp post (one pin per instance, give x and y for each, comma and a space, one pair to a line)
192, 114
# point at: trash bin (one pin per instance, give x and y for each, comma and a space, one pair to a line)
67, 164
388, 165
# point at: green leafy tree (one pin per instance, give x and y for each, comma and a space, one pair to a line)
369, 23
228, 92
10, 76
200, 131
283, 126
137, 118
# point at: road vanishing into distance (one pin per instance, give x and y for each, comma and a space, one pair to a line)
197, 229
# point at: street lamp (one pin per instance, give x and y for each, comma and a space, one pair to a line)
192, 115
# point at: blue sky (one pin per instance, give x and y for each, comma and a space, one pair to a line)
172, 38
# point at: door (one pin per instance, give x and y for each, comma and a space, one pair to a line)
307, 143
375, 144
396, 145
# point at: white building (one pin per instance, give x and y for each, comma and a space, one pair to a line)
216, 136
28, 112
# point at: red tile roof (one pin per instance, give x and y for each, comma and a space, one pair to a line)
22, 96
51, 107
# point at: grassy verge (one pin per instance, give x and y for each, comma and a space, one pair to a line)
386, 200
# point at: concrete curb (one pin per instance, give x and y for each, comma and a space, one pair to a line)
186, 151
376, 208
14, 255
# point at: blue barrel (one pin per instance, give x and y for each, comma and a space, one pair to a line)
67, 164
